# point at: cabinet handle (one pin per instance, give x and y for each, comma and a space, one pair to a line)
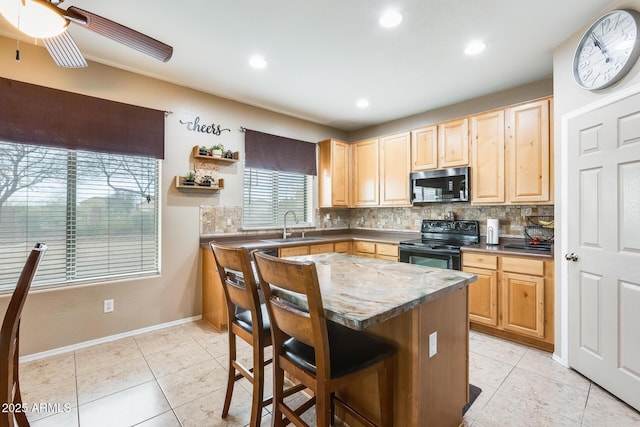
571, 257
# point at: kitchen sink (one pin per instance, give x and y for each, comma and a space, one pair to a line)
295, 239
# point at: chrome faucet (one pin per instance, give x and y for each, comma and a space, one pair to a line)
284, 230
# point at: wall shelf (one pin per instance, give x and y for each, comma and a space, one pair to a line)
197, 188
197, 155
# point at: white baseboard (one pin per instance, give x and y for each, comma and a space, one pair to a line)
110, 338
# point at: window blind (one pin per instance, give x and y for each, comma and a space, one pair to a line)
97, 212
277, 153
33, 114
268, 195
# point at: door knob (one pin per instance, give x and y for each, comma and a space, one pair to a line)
571, 257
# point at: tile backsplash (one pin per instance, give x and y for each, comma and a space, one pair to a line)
228, 219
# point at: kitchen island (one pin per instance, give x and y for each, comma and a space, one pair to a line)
405, 304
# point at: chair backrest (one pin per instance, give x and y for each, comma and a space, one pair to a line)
238, 280
300, 318
9, 334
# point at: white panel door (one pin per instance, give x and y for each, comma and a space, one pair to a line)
604, 247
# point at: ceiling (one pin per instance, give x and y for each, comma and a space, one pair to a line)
325, 55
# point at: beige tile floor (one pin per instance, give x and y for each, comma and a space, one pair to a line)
177, 377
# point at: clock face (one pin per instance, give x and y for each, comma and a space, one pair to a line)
608, 50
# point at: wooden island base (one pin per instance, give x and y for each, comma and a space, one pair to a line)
427, 391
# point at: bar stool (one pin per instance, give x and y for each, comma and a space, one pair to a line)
245, 311
322, 355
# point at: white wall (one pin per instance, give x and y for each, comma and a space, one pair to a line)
568, 96
66, 316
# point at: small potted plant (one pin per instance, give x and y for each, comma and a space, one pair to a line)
206, 181
217, 149
203, 151
190, 178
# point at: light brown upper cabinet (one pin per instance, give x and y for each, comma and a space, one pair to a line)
487, 158
453, 143
512, 155
334, 174
424, 148
366, 184
529, 152
395, 158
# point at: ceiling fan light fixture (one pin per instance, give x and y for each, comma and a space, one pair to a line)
38, 19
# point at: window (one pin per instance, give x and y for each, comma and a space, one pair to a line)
268, 195
97, 212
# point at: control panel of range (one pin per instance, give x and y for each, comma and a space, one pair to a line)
470, 228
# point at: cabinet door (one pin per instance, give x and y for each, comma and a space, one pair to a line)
293, 251
387, 249
523, 304
487, 158
366, 247
333, 173
342, 247
395, 158
340, 174
453, 143
214, 306
424, 148
483, 296
365, 174
321, 248
528, 152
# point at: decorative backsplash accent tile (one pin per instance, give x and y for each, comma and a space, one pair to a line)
220, 219
228, 219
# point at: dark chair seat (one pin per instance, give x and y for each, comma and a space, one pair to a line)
349, 351
244, 320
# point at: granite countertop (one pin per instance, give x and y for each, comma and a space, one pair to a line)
259, 241
500, 249
360, 292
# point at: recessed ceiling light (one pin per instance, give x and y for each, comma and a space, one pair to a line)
475, 47
362, 103
390, 18
257, 61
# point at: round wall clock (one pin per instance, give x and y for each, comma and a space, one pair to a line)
607, 50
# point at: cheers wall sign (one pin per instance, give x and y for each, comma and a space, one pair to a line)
196, 126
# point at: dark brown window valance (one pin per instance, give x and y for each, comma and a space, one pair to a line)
272, 152
32, 114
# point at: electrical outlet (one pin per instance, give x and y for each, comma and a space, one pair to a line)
108, 305
433, 344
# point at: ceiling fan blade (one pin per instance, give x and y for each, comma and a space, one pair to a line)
64, 51
124, 35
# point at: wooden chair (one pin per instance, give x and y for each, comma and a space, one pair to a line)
322, 355
10, 343
248, 320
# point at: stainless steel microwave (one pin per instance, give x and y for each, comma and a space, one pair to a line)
443, 185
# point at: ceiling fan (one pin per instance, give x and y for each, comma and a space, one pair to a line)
43, 19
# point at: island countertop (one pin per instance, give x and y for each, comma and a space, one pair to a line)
360, 292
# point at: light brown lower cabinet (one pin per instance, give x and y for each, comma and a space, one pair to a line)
293, 251
377, 250
512, 298
214, 309
342, 247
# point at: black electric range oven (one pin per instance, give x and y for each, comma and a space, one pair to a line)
440, 243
